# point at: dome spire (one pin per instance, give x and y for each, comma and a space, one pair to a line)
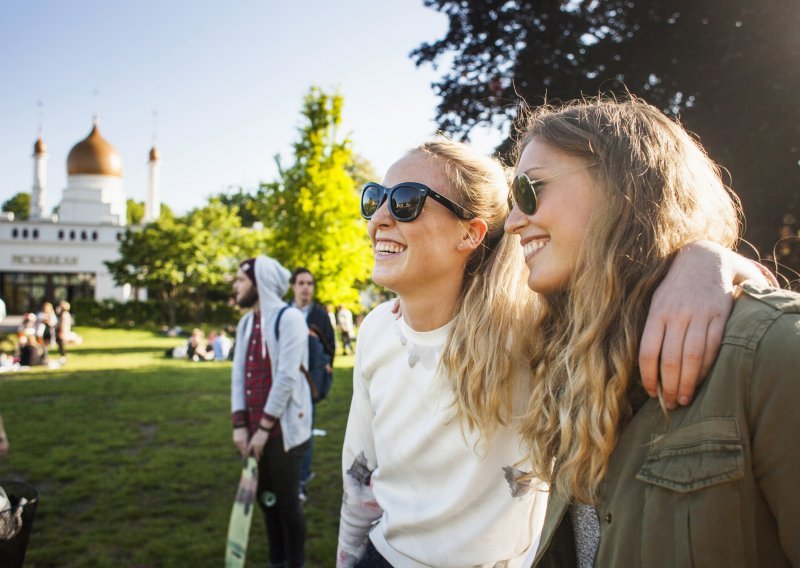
94, 156
39, 148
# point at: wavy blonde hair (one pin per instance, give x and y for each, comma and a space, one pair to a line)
489, 342
659, 192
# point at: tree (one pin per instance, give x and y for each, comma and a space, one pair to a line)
189, 258
19, 205
727, 68
313, 208
245, 203
135, 211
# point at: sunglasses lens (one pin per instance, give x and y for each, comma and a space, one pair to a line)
405, 203
370, 200
524, 194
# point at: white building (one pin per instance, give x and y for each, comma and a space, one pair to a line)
61, 257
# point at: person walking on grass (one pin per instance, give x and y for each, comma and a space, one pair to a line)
271, 401
321, 351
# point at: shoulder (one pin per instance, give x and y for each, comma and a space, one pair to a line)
764, 318
379, 317
290, 316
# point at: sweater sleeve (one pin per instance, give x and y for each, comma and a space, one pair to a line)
237, 370
360, 510
775, 423
292, 349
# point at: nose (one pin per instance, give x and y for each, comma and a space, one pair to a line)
382, 217
515, 221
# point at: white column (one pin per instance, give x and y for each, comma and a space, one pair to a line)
39, 189
152, 206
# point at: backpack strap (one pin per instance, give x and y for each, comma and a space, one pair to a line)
306, 374
278, 321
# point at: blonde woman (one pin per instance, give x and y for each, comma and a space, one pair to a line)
606, 194
431, 453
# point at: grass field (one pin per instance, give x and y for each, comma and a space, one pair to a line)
132, 455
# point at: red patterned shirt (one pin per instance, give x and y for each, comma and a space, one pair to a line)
257, 384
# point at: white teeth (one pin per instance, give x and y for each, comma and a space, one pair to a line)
388, 248
534, 246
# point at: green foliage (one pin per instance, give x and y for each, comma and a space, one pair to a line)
150, 313
132, 456
190, 258
313, 209
135, 211
245, 204
19, 205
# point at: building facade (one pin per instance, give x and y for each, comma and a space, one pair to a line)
62, 256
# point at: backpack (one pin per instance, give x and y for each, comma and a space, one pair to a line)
319, 380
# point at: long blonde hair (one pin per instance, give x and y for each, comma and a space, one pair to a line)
659, 192
488, 343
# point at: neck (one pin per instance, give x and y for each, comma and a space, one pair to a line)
426, 310
301, 303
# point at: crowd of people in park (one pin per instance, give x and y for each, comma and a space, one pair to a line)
216, 346
42, 338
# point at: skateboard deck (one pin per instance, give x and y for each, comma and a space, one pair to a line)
242, 515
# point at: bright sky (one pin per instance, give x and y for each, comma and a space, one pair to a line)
226, 79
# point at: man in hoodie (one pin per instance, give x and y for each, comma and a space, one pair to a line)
271, 401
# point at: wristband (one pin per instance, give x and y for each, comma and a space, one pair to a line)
237, 426
264, 428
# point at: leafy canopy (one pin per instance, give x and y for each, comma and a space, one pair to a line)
312, 209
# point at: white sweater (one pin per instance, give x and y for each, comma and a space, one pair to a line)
413, 479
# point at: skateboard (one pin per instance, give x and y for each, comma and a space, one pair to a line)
242, 515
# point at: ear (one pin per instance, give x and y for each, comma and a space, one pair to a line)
474, 233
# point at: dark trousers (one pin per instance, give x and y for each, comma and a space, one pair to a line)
305, 467
372, 558
278, 490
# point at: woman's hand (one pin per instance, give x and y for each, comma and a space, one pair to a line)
687, 318
240, 440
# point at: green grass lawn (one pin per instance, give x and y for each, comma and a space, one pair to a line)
132, 455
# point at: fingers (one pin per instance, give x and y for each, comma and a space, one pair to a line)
716, 329
670, 361
649, 351
692, 359
256, 450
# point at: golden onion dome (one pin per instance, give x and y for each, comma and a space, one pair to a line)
40, 147
94, 155
154, 155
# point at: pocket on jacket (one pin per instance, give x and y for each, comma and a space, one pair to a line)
692, 500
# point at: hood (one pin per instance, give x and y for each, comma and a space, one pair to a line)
272, 281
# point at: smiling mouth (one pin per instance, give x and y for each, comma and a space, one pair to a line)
534, 246
384, 248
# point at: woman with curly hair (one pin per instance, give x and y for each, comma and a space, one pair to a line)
606, 195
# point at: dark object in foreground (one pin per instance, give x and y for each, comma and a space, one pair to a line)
12, 551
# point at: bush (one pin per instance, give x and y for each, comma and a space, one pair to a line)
149, 313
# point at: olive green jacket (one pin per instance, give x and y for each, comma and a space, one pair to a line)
716, 483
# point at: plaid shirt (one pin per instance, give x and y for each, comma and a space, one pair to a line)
257, 384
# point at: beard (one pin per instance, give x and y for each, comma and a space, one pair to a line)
248, 300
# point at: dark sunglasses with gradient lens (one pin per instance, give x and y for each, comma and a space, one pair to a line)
405, 200
523, 190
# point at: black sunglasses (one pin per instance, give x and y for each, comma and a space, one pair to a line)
523, 190
405, 200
